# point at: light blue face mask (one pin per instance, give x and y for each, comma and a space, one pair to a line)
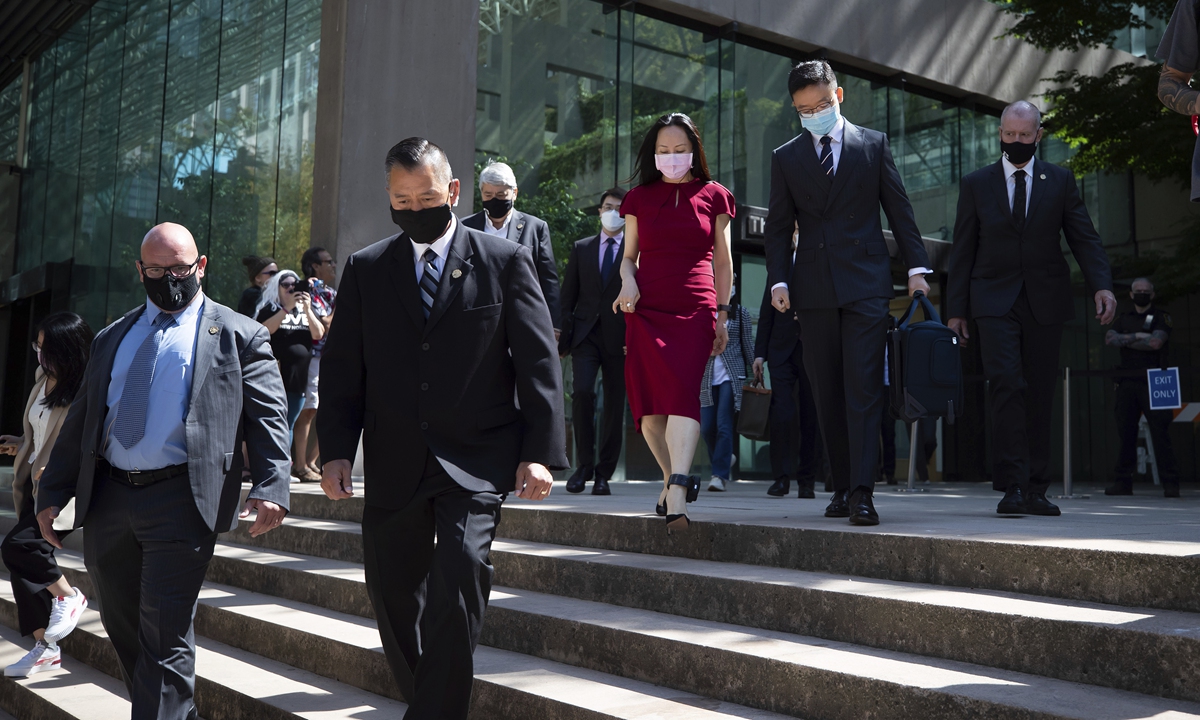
823, 122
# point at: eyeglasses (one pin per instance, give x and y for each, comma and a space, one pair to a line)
810, 114
287, 285
330, 261
177, 271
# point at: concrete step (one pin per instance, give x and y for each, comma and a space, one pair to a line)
782, 672
1142, 650
74, 692
346, 649
1156, 575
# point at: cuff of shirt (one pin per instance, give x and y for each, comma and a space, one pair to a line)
919, 271
776, 286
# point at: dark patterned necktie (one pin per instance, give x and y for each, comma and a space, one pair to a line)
130, 426
610, 256
827, 155
1018, 208
429, 281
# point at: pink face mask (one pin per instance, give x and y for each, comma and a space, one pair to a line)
674, 166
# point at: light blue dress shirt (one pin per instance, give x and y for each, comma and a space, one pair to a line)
165, 441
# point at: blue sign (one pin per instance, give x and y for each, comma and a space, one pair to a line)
1164, 389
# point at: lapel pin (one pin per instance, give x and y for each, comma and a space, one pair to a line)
520, 227
1042, 176
212, 330
456, 274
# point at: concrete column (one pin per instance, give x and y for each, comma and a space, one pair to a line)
389, 70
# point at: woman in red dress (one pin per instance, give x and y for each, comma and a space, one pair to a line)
675, 283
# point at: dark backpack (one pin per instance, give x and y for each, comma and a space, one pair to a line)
924, 366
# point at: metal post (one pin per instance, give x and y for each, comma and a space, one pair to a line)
1067, 480
912, 460
23, 117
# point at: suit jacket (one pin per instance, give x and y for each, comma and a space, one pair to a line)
991, 258
587, 300
237, 394
841, 256
777, 334
533, 233
27, 473
450, 384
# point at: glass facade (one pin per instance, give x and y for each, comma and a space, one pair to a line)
200, 112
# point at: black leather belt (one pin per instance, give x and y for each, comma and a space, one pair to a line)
138, 478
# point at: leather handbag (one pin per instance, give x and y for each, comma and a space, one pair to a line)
754, 421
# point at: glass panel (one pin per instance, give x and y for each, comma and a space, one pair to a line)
33, 178
10, 121
924, 140
66, 127
762, 120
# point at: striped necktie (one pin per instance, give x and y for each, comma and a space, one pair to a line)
429, 281
130, 426
827, 155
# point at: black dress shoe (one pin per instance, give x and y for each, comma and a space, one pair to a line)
1037, 504
862, 509
806, 492
1013, 502
600, 487
838, 507
1119, 489
780, 488
577, 482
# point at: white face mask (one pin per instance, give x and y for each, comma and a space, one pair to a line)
612, 220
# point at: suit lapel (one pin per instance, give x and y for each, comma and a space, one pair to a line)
515, 226
1037, 188
404, 277
1000, 187
809, 160
454, 273
208, 339
591, 262
852, 156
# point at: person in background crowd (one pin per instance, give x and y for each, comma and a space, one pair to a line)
47, 606
149, 452
261, 270
595, 338
677, 271
1180, 46
285, 309
498, 188
721, 393
834, 178
456, 394
1142, 335
1007, 271
320, 271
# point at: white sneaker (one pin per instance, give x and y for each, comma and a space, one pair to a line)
716, 484
43, 656
64, 615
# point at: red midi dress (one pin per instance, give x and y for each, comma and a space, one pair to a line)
669, 336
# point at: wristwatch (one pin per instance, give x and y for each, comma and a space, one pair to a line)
725, 308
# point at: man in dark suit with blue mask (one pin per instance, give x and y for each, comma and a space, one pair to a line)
830, 182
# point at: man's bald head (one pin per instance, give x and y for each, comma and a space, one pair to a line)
1022, 111
170, 245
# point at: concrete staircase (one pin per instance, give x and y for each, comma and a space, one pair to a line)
602, 615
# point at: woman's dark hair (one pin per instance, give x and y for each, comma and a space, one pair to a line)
66, 345
645, 171
255, 264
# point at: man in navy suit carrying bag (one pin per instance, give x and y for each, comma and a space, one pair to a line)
830, 181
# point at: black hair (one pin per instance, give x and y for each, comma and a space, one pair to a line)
310, 261
255, 264
646, 172
616, 192
810, 72
416, 152
66, 345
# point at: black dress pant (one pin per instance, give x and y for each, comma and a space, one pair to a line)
429, 599
588, 359
1133, 401
1020, 361
31, 568
843, 355
794, 435
147, 549
887, 433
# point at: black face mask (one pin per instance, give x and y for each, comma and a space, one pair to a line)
170, 293
1018, 153
1141, 299
423, 226
497, 207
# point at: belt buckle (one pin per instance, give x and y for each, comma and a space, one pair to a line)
133, 475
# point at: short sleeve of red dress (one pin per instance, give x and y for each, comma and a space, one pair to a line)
629, 204
720, 200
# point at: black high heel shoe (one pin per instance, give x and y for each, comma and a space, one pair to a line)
661, 508
680, 521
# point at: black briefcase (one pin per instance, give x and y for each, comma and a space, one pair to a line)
754, 420
924, 366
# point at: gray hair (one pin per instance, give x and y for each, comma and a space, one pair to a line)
498, 173
270, 292
1024, 110
1142, 280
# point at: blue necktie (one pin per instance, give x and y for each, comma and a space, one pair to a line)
135, 397
429, 281
610, 256
827, 155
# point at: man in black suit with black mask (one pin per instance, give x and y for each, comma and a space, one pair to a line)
594, 336
1007, 271
458, 400
832, 179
